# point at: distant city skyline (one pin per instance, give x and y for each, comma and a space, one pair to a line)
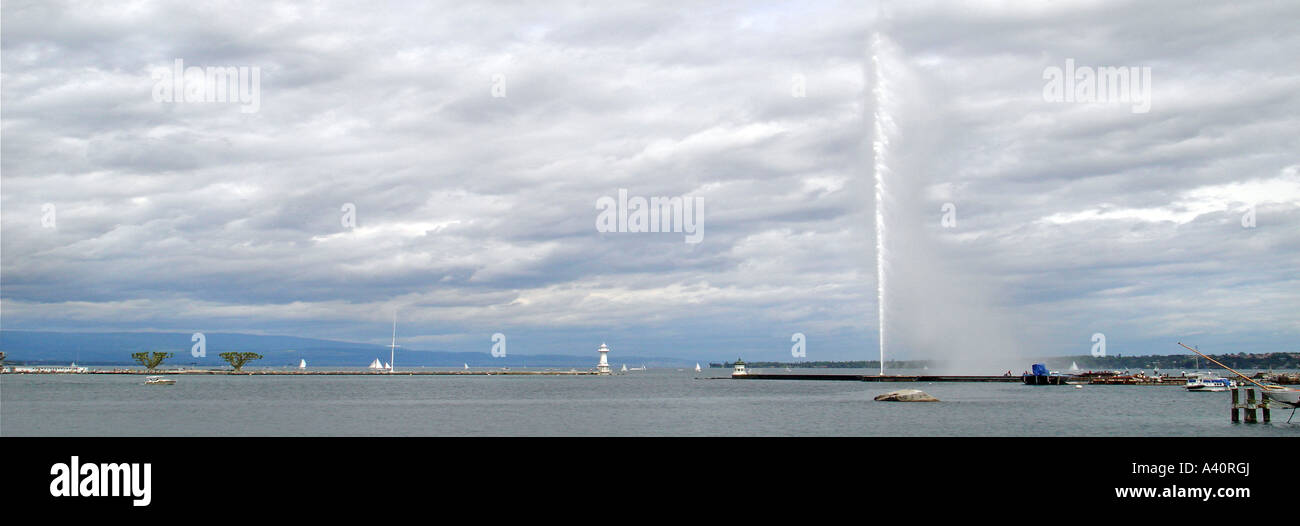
466, 168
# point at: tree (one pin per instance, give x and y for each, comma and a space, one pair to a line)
151, 360
237, 359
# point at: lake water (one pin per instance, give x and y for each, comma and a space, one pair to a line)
644, 403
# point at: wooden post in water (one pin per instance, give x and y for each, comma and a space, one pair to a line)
1263, 403
1250, 405
1235, 417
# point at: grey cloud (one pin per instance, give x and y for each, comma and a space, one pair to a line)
476, 213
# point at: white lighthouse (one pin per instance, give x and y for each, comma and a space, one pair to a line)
603, 366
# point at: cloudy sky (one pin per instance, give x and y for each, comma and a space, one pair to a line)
445, 160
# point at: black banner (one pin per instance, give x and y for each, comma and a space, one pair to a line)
323, 476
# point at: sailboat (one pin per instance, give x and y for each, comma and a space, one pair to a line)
697, 367
624, 368
302, 364
376, 364
1074, 366
466, 367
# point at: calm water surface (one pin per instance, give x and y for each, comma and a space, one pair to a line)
649, 403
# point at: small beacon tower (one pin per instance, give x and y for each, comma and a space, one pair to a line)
603, 366
739, 368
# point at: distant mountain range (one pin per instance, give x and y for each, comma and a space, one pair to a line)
112, 348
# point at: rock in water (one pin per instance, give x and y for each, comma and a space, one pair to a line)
906, 395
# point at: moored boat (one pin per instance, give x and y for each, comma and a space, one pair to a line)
1286, 395
1041, 376
158, 380
1208, 383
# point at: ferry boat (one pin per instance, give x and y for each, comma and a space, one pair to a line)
158, 380
1209, 384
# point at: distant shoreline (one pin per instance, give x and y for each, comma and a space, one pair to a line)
1260, 361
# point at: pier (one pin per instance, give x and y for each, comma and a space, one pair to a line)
877, 378
312, 373
1176, 381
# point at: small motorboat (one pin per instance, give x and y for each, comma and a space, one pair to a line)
1209, 384
158, 380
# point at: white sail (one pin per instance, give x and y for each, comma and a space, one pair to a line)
466, 367
1074, 366
697, 367
388, 365
302, 364
376, 364
625, 368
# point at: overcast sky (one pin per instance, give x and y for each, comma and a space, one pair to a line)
473, 143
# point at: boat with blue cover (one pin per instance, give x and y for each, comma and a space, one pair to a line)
1041, 376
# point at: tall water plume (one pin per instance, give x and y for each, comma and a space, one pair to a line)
881, 128
932, 304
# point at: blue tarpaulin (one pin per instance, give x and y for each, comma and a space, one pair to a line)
1040, 370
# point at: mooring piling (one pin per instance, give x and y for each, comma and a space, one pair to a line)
1250, 406
1235, 417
